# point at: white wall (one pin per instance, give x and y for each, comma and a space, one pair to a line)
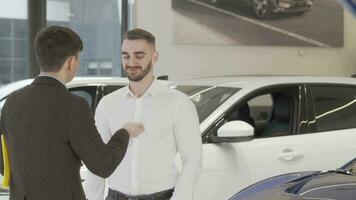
187, 61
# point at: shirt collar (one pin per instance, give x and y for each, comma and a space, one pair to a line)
152, 90
47, 75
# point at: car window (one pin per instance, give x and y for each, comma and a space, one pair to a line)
88, 93
256, 112
261, 108
334, 107
271, 112
111, 88
268, 114
207, 98
280, 121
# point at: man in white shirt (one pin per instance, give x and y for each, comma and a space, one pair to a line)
148, 170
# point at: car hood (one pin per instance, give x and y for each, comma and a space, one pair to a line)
271, 184
302, 185
328, 185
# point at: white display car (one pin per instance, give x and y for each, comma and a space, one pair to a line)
255, 127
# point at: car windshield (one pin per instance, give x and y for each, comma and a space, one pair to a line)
207, 98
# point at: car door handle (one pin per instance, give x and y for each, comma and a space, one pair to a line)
289, 156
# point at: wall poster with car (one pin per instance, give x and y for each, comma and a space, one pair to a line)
310, 23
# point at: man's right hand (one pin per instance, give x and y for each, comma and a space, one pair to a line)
134, 129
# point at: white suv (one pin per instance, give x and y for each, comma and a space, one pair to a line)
255, 127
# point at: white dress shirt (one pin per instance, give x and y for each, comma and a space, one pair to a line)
171, 125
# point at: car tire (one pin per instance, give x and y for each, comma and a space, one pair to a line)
262, 8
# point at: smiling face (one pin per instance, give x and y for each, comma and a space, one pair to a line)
138, 57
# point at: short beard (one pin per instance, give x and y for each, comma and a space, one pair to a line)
142, 75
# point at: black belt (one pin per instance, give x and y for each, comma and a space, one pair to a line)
163, 195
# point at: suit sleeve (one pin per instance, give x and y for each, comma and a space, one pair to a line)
100, 158
94, 186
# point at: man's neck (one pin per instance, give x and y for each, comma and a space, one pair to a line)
139, 88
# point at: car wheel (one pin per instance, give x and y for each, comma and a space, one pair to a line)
262, 8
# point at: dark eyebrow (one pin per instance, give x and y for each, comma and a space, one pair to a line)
140, 53
136, 53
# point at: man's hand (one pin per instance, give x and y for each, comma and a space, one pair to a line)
134, 129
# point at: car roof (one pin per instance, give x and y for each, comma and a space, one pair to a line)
77, 81
98, 81
241, 81
5, 90
245, 81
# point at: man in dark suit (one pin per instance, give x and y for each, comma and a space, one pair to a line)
49, 131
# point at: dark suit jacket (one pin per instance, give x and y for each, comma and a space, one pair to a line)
48, 132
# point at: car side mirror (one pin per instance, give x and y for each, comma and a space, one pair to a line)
234, 131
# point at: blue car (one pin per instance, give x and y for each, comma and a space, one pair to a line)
339, 184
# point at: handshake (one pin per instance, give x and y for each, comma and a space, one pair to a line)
134, 129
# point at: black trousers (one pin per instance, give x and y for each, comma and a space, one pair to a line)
116, 195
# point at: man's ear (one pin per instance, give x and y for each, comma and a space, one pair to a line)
70, 63
155, 57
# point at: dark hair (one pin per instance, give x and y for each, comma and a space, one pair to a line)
140, 34
53, 45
